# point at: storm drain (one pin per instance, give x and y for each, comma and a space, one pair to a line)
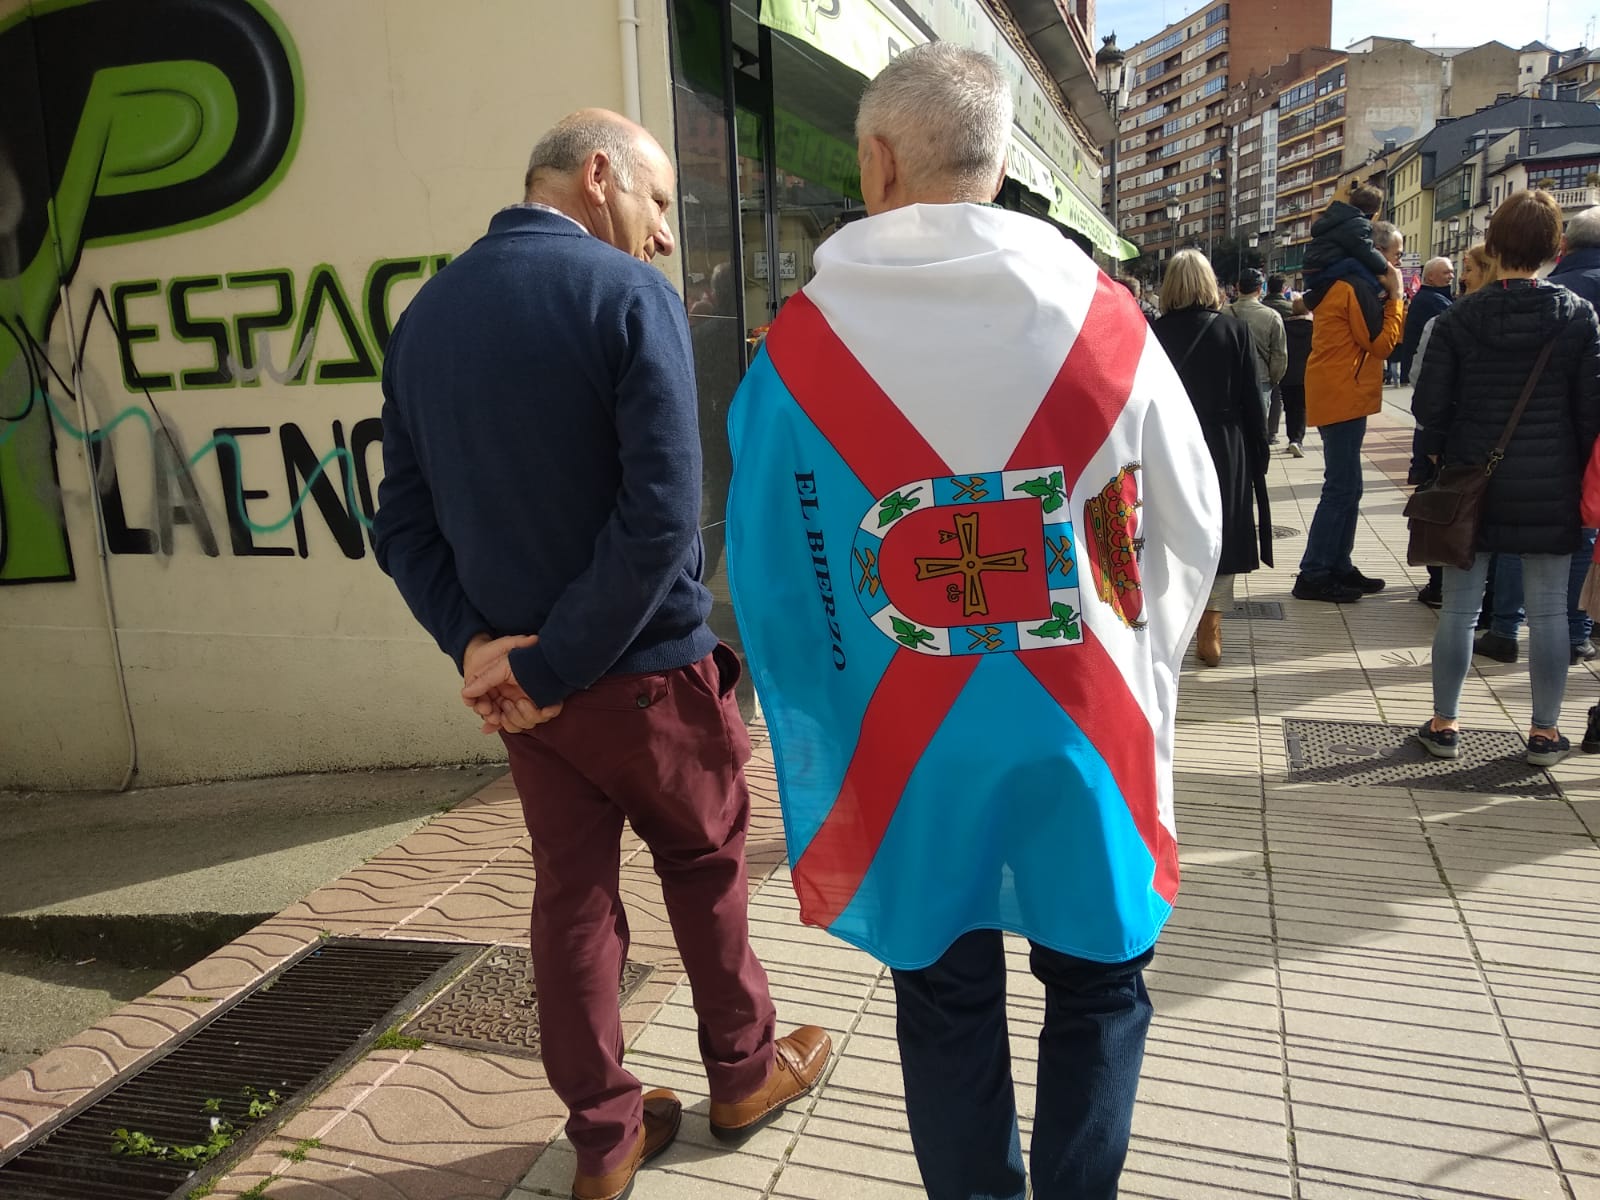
1256, 610
495, 1005
1368, 755
1280, 532
245, 1067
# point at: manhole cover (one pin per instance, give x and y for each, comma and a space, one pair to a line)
495, 1004
1284, 531
1256, 610
1370, 755
246, 1066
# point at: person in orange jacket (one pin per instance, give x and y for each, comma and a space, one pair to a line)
1359, 321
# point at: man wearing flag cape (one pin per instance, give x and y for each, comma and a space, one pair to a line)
972, 526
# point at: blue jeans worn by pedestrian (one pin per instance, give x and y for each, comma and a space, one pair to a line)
1544, 579
1507, 612
955, 1056
1333, 526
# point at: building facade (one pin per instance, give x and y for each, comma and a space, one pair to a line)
1312, 114
1173, 139
1253, 150
202, 256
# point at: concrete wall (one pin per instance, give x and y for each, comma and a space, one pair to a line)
1395, 91
1480, 75
326, 159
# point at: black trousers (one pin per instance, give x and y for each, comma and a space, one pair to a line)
1294, 410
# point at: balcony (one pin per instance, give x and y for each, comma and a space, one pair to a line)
1576, 198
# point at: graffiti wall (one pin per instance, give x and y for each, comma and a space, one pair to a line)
211, 214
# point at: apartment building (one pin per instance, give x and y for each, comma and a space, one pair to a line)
1173, 140
1463, 167
1311, 142
1252, 122
1384, 95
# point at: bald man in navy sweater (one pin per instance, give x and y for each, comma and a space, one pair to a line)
540, 514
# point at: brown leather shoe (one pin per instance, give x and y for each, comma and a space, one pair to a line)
797, 1064
663, 1112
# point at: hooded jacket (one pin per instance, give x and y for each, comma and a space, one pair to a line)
1354, 331
1479, 357
1342, 232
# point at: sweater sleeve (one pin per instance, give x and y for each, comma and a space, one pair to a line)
653, 530
407, 540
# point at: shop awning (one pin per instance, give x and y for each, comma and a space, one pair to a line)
865, 37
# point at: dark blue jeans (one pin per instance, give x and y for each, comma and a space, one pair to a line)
1333, 527
955, 1056
1507, 610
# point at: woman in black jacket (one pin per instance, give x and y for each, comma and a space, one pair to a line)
1482, 352
1297, 329
1213, 355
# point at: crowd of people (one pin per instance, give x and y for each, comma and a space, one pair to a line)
1467, 348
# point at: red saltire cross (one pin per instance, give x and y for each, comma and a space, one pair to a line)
917, 691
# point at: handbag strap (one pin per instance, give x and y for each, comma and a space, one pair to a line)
1204, 325
1499, 450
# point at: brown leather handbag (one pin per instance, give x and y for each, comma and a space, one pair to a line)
1445, 513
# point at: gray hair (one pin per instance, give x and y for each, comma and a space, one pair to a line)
945, 110
1432, 267
572, 139
1583, 230
1383, 235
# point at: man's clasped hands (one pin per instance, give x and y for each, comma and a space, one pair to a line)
492, 691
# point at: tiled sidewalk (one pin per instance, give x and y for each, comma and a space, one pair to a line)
1366, 993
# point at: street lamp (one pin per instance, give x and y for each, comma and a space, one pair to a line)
1454, 226
1216, 176
1113, 90
1174, 211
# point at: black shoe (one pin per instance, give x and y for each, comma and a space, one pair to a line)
1432, 596
1496, 646
1547, 752
1362, 583
1327, 589
1591, 735
1441, 743
1583, 652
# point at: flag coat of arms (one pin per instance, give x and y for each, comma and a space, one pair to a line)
972, 526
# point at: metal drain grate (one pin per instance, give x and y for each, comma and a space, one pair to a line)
495, 1004
286, 1035
1368, 755
1256, 610
1284, 531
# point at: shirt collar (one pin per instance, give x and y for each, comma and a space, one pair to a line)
535, 206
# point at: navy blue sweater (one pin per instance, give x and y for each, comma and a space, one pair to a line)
542, 458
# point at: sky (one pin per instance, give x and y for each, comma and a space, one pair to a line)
1425, 22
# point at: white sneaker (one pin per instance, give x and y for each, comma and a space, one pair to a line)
1295, 451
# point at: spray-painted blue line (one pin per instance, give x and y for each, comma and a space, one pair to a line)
133, 411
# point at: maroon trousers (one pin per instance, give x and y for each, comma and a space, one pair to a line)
666, 751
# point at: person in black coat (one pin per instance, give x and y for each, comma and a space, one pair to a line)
1432, 298
1481, 354
1297, 330
1216, 362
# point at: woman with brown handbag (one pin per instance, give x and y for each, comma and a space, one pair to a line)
1483, 358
